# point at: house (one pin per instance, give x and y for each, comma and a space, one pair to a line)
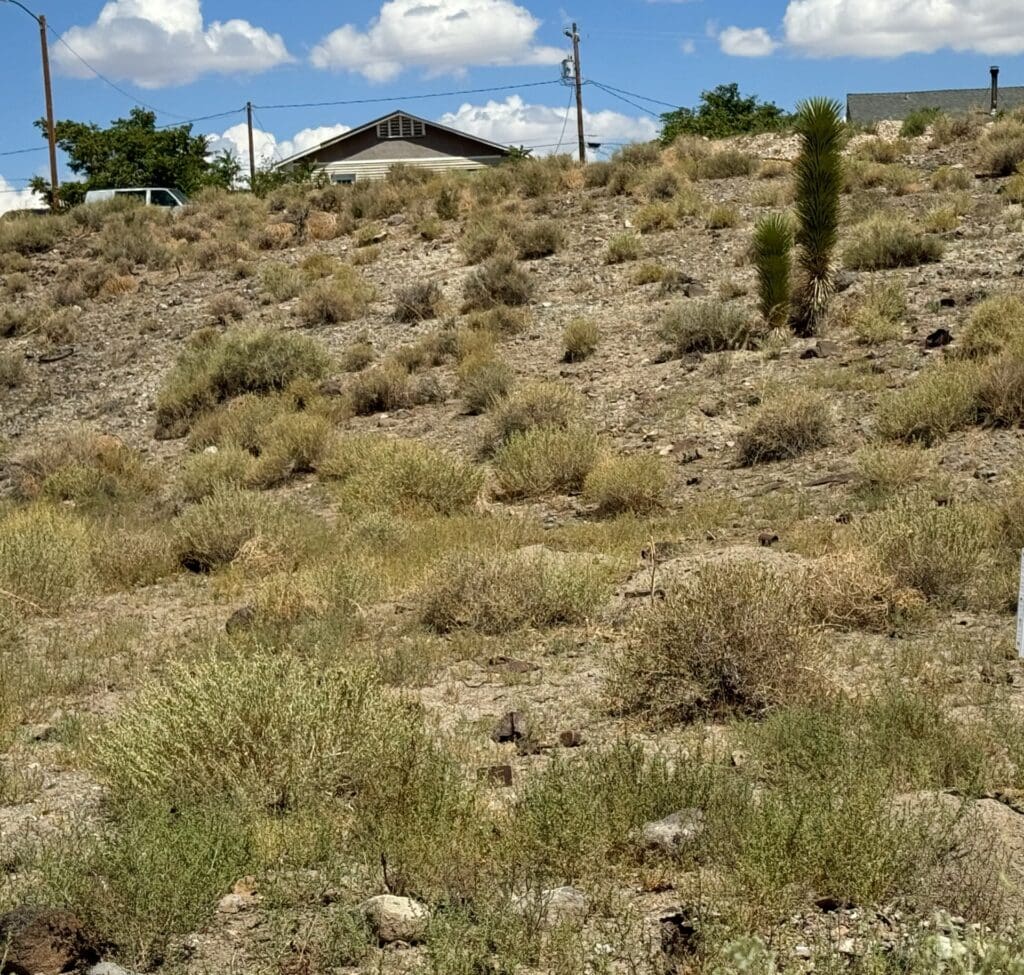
369, 151
877, 107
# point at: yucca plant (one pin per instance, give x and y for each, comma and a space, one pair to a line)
773, 245
819, 181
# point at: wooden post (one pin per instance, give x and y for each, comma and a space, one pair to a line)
252, 155
51, 133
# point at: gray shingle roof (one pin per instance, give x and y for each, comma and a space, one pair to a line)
898, 105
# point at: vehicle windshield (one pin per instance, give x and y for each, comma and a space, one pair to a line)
164, 198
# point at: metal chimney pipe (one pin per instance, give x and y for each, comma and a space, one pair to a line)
995, 88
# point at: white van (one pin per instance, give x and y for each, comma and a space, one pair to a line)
154, 196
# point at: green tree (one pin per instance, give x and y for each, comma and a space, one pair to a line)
723, 111
133, 151
818, 172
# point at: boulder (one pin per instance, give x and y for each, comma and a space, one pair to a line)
44, 942
394, 918
675, 831
555, 905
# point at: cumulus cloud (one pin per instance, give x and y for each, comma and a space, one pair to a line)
753, 43
266, 146
155, 43
515, 122
438, 35
882, 28
12, 198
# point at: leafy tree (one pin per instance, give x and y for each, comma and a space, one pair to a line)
819, 182
723, 111
134, 152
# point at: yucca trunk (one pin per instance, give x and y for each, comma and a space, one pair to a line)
773, 245
819, 182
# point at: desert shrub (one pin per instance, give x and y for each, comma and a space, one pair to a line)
446, 203
418, 302
661, 184
1001, 391
358, 356
239, 422
941, 399
382, 472
546, 460
364, 256
947, 129
227, 308
940, 220
649, 272
887, 242
215, 368
995, 324
655, 217
619, 484
498, 281
580, 339
207, 472
883, 150
939, 551
504, 592
127, 559
622, 248
723, 164
16, 283
30, 234
486, 235
1001, 149
877, 317
734, 639
885, 470
951, 178
86, 468
339, 298
131, 236
483, 379
499, 321
722, 217
917, 122
849, 591
293, 443
16, 320
214, 532
388, 387
535, 405
13, 371
282, 282
772, 254
318, 266
539, 239
44, 560
708, 326
785, 426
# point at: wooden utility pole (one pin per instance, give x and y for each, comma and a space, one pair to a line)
252, 154
579, 91
51, 132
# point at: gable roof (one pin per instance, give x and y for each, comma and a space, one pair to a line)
876, 106
493, 147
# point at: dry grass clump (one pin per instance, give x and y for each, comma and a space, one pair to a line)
785, 426
723, 164
215, 368
885, 470
483, 380
499, 321
498, 281
939, 551
1001, 149
735, 639
619, 484
418, 302
580, 339
232, 522
947, 129
487, 235
995, 324
44, 560
546, 460
650, 272
535, 405
942, 398
390, 386
86, 468
340, 298
13, 371
708, 326
886, 241
29, 234
655, 217
883, 150
136, 236
541, 238
951, 178
722, 217
878, 316
388, 473
1001, 390
282, 282
623, 248
209, 471
500, 593
941, 220
357, 356
16, 283
662, 184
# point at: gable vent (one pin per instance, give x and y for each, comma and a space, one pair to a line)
401, 127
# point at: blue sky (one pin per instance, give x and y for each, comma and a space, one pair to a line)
190, 58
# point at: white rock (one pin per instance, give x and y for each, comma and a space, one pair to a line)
557, 904
107, 968
674, 831
396, 918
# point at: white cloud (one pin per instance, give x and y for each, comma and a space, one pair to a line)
688, 47
884, 28
514, 122
438, 35
753, 43
155, 43
16, 199
266, 146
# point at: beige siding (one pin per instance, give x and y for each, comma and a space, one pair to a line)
363, 169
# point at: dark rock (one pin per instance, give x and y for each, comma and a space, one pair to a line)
844, 518
675, 282
767, 539
829, 905
44, 942
512, 727
495, 774
695, 290
570, 739
692, 481
822, 349
947, 301
939, 338
679, 935
845, 280
240, 620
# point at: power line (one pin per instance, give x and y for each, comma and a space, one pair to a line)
409, 98
203, 118
19, 152
628, 101
643, 98
565, 121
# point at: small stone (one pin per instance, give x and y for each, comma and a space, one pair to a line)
665, 451
694, 289
947, 301
557, 904
847, 947
674, 831
394, 918
108, 968
939, 338
495, 774
571, 739
802, 951
212, 449
234, 903
739, 758
512, 727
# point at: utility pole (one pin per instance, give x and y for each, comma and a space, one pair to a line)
252, 155
51, 132
575, 35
